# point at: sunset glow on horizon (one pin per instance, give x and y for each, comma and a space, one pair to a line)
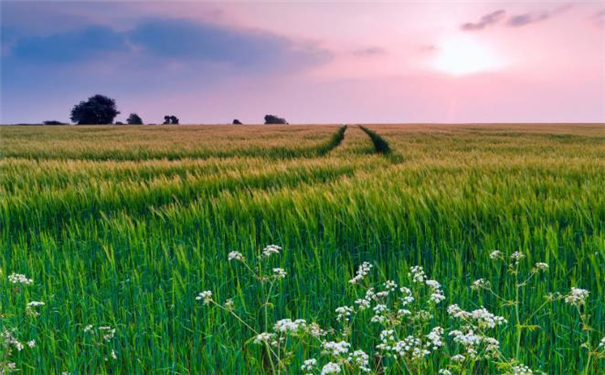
310, 62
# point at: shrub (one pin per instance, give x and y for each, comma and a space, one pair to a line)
134, 119
271, 120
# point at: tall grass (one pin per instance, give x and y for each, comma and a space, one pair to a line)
130, 244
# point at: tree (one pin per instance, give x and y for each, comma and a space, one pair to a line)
134, 119
119, 123
170, 120
237, 122
98, 109
271, 119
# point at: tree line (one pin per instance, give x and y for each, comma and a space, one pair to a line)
102, 110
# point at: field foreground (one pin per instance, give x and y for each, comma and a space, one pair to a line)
118, 229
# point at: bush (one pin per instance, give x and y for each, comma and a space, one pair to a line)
134, 119
54, 122
237, 122
170, 119
274, 120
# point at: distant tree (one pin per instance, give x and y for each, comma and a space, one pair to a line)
54, 122
170, 120
134, 119
271, 119
119, 123
98, 109
237, 122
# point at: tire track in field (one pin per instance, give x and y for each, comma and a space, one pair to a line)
335, 141
381, 146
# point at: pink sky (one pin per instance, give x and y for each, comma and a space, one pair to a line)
384, 62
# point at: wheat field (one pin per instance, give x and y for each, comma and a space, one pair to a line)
117, 229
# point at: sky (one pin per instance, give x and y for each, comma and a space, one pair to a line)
310, 62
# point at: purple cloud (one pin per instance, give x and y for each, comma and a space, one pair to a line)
485, 21
525, 19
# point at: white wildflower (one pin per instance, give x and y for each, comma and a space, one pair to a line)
31, 343
437, 294
458, 358
380, 308
541, 266
309, 365
315, 330
206, 296
445, 372
108, 333
35, 304
236, 255
289, 326
360, 359
521, 370
481, 284
417, 274
229, 305
485, 319
10, 340
336, 348
577, 296
280, 273
496, 254
435, 338
270, 250
344, 312
264, 337
17, 278
517, 256
362, 303
362, 272
331, 368
390, 285
382, 294
408, 297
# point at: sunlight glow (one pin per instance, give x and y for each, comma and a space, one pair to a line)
463, 55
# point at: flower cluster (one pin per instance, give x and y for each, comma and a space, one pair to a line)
405, 317
236, 255
10, 336
577, 297
270, 250
205, 296
362, 271
17, 278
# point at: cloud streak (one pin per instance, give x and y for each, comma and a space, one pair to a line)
518, 20
525, 19
485, 21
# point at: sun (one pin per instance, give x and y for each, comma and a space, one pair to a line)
463, 55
